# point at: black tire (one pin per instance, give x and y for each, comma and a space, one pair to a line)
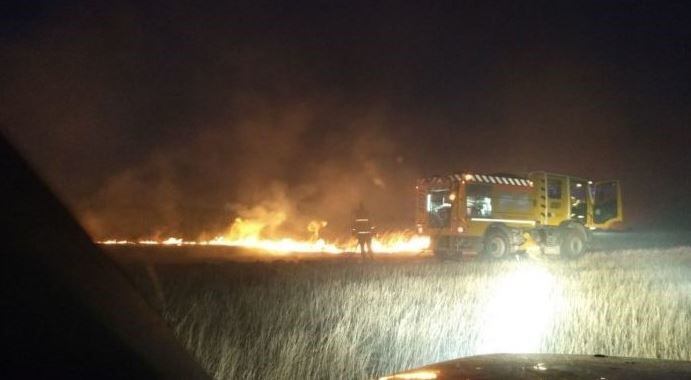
496, 245
572, 244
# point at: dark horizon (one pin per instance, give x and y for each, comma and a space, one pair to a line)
174, 118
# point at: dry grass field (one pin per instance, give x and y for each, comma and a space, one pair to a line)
341, 318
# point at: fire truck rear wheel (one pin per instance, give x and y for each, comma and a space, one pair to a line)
496, 245
573, 244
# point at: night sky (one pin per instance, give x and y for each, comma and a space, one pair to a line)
175, 117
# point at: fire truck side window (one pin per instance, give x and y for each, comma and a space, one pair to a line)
439, 208
512, 202
554, 188
478, 200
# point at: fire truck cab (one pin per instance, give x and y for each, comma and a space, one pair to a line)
500, 214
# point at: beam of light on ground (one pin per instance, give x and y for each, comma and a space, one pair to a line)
520, 310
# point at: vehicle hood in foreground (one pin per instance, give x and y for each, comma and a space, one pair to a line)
549, 366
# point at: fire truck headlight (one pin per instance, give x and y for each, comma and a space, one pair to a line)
460, 230
523, 306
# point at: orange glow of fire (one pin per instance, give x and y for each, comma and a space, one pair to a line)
247, 233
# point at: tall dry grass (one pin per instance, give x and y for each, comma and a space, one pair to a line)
343, 319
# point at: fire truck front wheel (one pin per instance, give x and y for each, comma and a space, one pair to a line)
496, 244
573, 244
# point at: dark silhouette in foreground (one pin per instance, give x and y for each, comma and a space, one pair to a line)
67, 310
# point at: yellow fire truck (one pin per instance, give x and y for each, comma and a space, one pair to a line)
500, 214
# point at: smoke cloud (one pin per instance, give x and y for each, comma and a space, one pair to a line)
146, 138
152, 120
266, 168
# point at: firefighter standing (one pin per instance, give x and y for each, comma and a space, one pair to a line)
363, 231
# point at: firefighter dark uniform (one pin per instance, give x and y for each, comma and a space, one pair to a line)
363, 231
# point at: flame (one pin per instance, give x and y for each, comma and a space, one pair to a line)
395, 242
172, 241
248, 233
314, 227
116, 242
285, 245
